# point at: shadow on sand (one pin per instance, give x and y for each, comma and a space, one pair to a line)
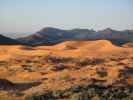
8, 85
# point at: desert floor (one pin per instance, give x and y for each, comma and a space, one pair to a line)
28, 70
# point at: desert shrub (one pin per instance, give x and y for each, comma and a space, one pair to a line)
28, 61
67, 93
88, 61
82, 95
57, 94
3, 63
58, 67
77, 96
83, 62
55, 59
96, 97
34, 97
19, 94
27, 48
124, 74
69, 47
65, 77
76, 88
101, 72
28, 68
83, 77
97, 61
89, 93
39, 96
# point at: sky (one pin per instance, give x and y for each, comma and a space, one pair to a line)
33, 15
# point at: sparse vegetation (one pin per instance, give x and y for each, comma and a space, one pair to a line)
19, 94
27, 48
39, 96
69, 47
65, 77
60, 75
2, 63
56, 59
86, 93
58, 67
101, 72
89, 61
28, 68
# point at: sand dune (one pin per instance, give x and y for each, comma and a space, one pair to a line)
128, 45
68, 48
85, 48
68, 45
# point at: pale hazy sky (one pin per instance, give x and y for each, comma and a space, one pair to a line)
32, 15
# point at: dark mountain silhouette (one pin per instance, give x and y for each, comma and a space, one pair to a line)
112, 34
117, 37
5, 40
49, 36
46, 36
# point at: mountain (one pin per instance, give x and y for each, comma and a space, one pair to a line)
50, 36
117, 37
16, 35
46, 36
6, 40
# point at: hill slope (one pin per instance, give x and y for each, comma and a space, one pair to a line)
5, 40
49, 36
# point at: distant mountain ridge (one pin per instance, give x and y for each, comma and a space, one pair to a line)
50, 36
5, 40
16, 35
